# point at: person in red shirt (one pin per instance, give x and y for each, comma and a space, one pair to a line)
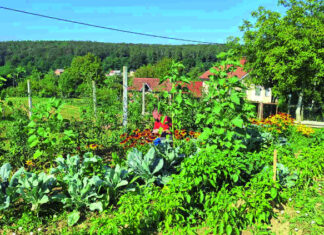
163, 122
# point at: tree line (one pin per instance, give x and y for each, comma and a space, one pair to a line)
47, 55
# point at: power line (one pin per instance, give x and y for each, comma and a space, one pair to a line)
104, 27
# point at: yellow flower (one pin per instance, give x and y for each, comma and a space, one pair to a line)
93, 146
29, 163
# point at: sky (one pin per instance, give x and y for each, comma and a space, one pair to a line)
204, 20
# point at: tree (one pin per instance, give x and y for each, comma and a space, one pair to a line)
77, 78
158, 70
286, 52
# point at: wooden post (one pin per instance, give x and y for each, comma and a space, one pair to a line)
274, 164
289, 101
30, 104
143, 99
260, 111
299, 107
94, 98
125, 96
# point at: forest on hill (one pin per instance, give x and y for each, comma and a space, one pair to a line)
50, 55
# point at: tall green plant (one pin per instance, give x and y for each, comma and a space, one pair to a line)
224, 112
47, 132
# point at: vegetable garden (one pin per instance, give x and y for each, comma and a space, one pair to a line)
214, 175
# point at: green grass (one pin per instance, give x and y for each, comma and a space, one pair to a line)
71, 108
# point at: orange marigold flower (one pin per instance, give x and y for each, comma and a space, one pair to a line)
187, 139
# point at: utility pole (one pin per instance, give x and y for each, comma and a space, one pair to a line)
125, 97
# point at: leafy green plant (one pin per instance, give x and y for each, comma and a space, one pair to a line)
170, 154
145, 167
259, 196
7, 193
81, 191
286, 179
116, 181
35, 188
71, 166
47, 132
17, 135
223, 111
224, 214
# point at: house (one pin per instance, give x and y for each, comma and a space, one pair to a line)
113, 73
152, 85
58, 72
254, 93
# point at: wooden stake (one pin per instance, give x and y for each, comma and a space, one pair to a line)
143, 99
94, 98
125, 96
30, 104
260, 109
274, 164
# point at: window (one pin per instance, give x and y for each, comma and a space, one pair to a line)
267, 92
257, 90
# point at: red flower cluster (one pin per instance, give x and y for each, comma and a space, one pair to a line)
183, 134
278, 122
138, 137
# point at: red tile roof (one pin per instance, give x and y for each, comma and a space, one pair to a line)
153, 83
240, 73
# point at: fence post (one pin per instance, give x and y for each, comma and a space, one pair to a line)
125, 97
260, 111
30, 104
274, 164
94, 98
143, 99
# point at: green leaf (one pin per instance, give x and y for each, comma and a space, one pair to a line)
235, 178
229, 229
188, 198
235, 98
41, 131
238, 122
44, 199
274, 193
73, 218
37, 154
96, 206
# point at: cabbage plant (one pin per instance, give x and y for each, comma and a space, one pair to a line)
35, 188
145, 167
81, 190
7, 187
